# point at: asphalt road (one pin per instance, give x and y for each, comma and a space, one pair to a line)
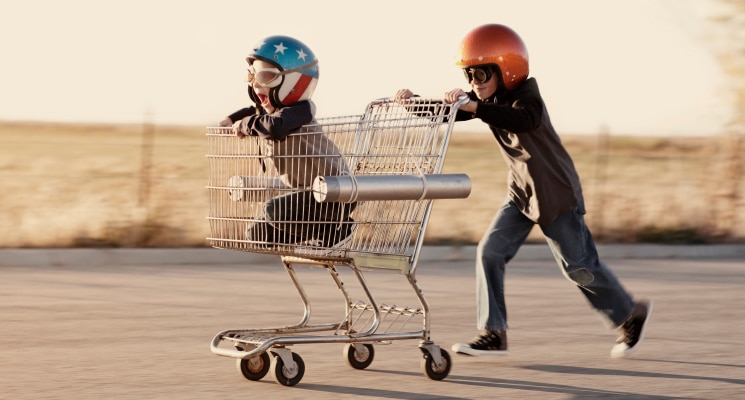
83, 330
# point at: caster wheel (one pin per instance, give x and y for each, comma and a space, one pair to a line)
359, 359
254, 368
434, 373
288, 376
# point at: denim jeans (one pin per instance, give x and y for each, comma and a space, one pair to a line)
574, 250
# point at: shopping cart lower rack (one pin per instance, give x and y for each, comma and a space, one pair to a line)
350, 192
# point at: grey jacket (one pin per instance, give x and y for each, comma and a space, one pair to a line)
298, 152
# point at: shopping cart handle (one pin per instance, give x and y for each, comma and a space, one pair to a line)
351, 188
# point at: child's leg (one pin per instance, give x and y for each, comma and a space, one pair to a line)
301, 218
575, 252
279, 212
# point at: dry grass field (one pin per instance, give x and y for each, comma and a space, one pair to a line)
143, 186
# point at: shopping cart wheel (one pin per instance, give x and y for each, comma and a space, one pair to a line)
431, 370
254, 368
359, 356
288, 376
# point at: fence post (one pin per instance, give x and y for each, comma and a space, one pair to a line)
146, 160
601, 164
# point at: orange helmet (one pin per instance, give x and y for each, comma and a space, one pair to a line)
496, 44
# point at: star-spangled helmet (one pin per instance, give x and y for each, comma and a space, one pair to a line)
296, 61
499, 45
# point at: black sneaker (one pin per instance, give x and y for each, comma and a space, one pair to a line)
487, 343
632, 331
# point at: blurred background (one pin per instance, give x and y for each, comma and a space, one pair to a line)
104, 106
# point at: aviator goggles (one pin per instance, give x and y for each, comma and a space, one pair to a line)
269, 77
477, 74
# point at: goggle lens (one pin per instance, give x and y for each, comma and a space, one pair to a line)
480, 75
267, 77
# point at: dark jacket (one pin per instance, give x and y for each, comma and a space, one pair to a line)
542, 179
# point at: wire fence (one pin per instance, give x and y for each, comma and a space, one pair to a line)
144, 186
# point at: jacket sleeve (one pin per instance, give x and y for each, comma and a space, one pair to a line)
279, 124
522, 115
242, 113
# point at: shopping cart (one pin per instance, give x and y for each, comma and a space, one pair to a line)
346, 192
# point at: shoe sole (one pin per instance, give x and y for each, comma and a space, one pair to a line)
629, 350
338, 250
462, 348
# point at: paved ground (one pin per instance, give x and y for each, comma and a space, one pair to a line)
82, 330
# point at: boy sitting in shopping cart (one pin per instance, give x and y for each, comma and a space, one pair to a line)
282, 75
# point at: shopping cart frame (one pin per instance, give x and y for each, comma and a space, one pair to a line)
431, 122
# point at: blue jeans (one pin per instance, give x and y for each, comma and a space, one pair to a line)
574, 250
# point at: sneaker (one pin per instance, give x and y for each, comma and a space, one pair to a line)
632, 331
317, 247
491, 343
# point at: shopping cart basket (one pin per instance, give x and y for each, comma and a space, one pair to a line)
352, 192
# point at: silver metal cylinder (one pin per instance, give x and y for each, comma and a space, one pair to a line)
243, 184
351, 188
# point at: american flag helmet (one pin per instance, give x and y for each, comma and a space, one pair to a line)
298, 64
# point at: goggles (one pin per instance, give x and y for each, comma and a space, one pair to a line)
269, 77
478, 74
266, 77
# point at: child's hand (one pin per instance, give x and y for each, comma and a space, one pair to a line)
238, 129
403, 94
226, 122
457, 94
454, 95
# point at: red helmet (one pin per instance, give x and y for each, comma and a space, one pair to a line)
496, 44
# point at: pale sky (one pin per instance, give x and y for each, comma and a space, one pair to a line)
628, 66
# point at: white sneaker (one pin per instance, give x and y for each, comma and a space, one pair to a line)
315, 248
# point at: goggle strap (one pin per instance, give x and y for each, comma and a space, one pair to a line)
306, 66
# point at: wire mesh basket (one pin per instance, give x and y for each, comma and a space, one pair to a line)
262, 196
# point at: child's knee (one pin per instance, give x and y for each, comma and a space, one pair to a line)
580, 276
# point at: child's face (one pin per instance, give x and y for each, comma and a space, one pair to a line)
262, 92
485, 89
